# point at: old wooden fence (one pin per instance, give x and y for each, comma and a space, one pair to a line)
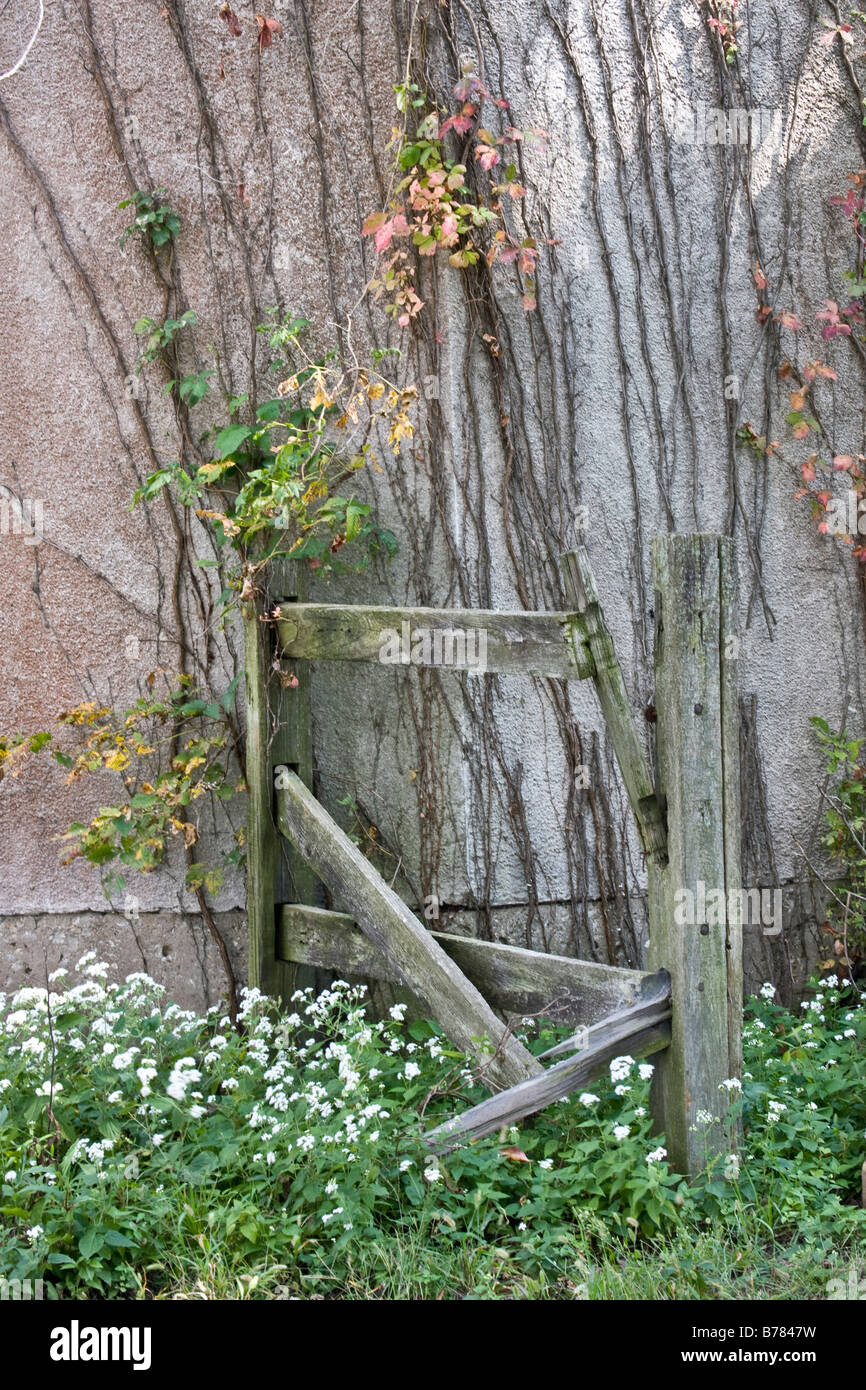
686, 1006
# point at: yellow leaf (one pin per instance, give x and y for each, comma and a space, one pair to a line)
212, 470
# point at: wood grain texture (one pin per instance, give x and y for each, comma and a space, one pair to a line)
639, 1031
291, 716
265, 972
698, 774
419, 961
591, 634
511, 978
521, 643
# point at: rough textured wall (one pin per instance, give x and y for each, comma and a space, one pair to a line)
622, 394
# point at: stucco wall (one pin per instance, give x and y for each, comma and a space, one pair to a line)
622, 394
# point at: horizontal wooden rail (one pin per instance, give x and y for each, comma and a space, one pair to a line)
511, 978
641, 1030
419, 961
457, 639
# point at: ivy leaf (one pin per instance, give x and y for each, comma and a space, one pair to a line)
268, 30
231, 19
230, 439
195, 876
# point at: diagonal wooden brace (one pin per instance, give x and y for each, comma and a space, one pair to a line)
593, 648
419, 961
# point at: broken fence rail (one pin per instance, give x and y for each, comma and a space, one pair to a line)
643, 1029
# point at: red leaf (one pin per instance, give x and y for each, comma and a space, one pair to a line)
529, 303
373, 223
268, 30
461, 121
231, 19
384, 235
487, 157
760, 277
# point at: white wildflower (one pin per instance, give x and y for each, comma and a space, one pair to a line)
620, 1068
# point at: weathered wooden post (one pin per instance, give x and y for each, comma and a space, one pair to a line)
695, 899
279, 732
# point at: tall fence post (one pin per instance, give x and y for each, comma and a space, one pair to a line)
279, 731
262, 844
292, 747
695, 900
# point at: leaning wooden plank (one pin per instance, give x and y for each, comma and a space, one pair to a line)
511, 978
527, 644
639, 1032
420, 962
592, 634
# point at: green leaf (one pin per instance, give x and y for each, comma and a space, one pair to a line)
228, 698
195, 876
91, 1242
117, 1238
230, 439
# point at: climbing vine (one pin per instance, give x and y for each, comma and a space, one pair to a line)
432, 206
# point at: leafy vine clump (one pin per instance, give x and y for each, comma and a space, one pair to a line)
155, 221
722, 19
839, 516
172, 750
275, 471
432, 206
